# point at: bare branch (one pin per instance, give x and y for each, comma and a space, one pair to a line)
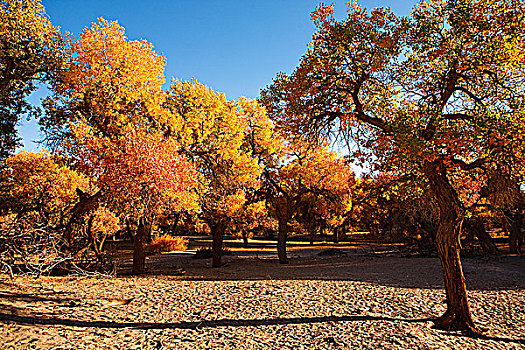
470, 94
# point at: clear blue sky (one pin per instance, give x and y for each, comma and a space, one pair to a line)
233, 46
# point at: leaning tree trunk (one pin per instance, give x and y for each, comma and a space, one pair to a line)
458, 315
139, 246
486, 241
85, 206
218, 229
477, 228
281, 240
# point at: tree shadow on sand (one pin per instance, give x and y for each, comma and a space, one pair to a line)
26, 297
195, 325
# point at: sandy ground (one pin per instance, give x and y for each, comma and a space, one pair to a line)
353, 301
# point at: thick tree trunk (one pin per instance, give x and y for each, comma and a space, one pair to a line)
216, 246
515, 236
244, 239
458, 315
281, 241
139, 246
337, 233
91, 234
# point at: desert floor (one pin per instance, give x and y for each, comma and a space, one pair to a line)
363, 299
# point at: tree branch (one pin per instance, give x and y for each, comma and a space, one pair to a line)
362, 116
469, 94
478, 163
457, 116
448, 90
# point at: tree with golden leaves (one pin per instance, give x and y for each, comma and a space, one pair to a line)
228, 141
30, 54
39, 198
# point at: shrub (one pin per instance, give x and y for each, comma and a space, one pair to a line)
205, 253
168, 243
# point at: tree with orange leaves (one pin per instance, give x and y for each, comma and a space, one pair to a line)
437, 95
304, 172
252, 218
107, 113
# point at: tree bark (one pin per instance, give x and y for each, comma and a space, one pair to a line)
216, 246
139, 246
281, 240
91, 234
149, 237
337, 234
173, 227
515, 236
458, 315
244, 239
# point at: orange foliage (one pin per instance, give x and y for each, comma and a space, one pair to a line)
111, 92
168, 243
104, 222
118, 80
139, 165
